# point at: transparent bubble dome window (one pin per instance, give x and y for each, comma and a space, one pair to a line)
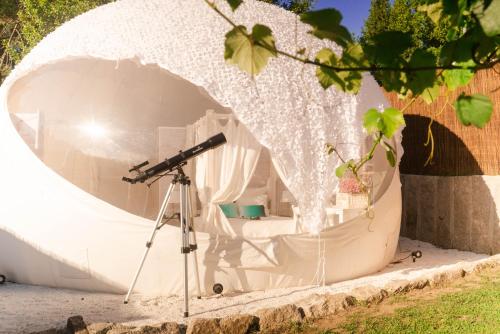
91, 120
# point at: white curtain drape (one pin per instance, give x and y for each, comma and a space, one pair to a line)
285, 176
223, 174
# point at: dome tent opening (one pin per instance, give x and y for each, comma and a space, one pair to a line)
91, 119
293, 122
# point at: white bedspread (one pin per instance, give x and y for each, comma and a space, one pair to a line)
263, 228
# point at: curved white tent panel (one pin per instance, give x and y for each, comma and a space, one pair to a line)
88, 102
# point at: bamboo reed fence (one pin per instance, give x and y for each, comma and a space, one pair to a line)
458, 149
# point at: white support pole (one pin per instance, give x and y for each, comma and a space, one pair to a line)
195, 245
185, 249
149, 244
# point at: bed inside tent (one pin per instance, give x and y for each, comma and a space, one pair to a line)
236, 177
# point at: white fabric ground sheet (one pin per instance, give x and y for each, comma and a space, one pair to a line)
25, 308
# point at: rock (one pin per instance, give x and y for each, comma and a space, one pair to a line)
418, 284
204, 326
369, 294
330, 304
99, 328
484, 265
272, 319
239, 324
170, 328
165, 328
446, 277
404, 286
397, 286
121, 329
147, 330
76, 325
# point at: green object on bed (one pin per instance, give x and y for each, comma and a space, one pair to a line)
252, 211
230, 210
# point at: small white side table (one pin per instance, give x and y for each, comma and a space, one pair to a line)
336, 215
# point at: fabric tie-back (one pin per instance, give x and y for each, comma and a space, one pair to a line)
223, 174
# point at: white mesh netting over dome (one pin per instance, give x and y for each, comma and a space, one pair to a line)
284, 107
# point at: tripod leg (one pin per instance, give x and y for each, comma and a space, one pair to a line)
185, 247
194, 244
151, 239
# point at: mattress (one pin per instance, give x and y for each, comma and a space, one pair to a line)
262, 228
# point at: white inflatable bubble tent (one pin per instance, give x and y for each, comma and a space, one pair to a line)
140, 80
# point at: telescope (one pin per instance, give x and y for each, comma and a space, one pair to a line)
176, 161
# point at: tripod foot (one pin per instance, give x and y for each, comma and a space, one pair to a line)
186, 314
125, 302
199, 297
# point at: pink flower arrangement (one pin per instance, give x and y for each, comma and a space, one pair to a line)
351, 186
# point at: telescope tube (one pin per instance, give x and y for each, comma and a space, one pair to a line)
170, 164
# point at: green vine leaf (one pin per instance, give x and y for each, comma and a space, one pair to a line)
430, 94
458, 77
418, 81
250, 52
340, 170
327, 76
371, 121
391, 158
488, 18
387, 122
352, 80
475, 109
234, 4
326, 24
392, 120
347, 81
353, 56
388, 47
388, 147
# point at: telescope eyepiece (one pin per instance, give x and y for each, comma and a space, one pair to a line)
139, 166
129, 180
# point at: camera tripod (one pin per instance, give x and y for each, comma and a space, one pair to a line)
188, 235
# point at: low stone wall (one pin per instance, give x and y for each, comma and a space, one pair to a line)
460, 212
278, 320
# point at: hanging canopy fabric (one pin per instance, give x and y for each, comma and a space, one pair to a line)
223, 175
284, 107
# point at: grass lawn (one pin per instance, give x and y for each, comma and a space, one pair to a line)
470, 305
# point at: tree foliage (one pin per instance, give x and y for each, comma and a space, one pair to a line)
423, 45
377, 20
296, 6
37, 18
404, 16
23, 23
8, 10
